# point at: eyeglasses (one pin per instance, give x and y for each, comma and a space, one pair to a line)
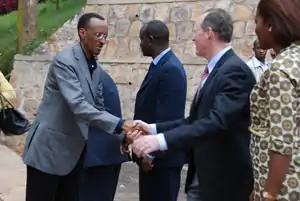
100, 35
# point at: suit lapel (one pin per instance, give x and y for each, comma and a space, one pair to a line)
154, 68
147, 78
227, 55
83, 66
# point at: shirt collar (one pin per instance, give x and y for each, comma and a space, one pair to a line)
258, 63
216, 58
158, 57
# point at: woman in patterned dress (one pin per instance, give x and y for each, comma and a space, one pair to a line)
275, 105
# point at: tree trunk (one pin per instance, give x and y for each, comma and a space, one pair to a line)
57, 4
26, 22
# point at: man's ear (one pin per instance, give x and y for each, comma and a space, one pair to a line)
82, 33
151, 39
210, 33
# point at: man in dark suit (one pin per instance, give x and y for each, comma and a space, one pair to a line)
217, 127
160, 98
102, 162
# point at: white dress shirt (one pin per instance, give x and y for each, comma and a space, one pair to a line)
211, 65
257, 67
155, 62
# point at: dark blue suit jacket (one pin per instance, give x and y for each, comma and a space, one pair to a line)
217, 131
103, 148
161, 98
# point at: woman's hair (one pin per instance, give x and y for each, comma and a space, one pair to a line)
283, 15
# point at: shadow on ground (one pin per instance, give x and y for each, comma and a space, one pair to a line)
128, 184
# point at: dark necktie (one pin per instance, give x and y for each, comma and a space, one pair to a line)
149, 70
203, 77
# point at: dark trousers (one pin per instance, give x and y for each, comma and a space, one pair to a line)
41, 186
160, 184
99, 183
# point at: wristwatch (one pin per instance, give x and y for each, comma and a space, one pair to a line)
267, 196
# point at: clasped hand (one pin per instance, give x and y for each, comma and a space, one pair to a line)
139, 136
133, 131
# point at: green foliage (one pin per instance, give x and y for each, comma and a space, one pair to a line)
48, 21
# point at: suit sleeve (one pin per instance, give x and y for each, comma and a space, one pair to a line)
71, 91
233, 97
172, 96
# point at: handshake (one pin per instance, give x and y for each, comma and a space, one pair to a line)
133, 131
137, 136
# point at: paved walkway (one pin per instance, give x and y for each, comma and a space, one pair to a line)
13, 175
128, 184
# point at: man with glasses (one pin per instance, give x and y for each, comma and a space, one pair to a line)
72, 102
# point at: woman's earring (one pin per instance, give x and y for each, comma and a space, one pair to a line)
270, 29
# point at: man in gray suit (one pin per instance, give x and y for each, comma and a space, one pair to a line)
72, 101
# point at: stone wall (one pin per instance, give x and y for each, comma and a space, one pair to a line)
30, 73
121, 56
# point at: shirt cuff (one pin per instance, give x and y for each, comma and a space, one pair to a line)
150, 156
119, 129
162, 142
153, 129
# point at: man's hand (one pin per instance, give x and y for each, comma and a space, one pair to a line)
145, 145
142, 126
129, 137
147, 164
128, 127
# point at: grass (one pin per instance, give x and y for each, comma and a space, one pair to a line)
48, 21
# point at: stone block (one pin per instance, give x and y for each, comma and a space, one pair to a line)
135, 28
133, 11
103, 10
185, 30
162, 12
224, 4
111, 31
197, 11
243, 46
117, 11
178, 48
250, 28
123, 48
239, 29
180, 14
241, 12
134, 48
189, 48
122, 27
147, 13
111, 48
29, 107
172, 31
29, 93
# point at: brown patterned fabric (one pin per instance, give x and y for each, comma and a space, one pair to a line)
275, 120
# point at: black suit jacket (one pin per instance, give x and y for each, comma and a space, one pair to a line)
162, 98
217, 132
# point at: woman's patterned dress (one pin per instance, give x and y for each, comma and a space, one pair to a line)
275, 117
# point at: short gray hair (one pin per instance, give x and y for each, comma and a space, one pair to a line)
220, 22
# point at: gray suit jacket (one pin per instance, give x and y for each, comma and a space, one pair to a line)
60, 130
